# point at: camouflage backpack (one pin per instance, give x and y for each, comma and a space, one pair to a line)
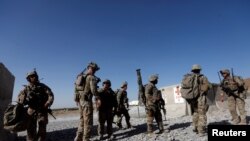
15, 118
243, 87
190, 86
79, 85
80, 81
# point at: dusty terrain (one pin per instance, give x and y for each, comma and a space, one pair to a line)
65, 126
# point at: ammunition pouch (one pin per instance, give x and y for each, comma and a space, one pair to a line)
33, 100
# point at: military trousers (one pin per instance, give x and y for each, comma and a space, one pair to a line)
123, 111
154, 112
85, 123
105, 116
199, 108
234, 103
40, 119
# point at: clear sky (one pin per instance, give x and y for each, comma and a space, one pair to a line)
165, 37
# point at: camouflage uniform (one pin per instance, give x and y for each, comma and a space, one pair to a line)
122, 102
236, 96
38, 97
86, 105
199, 106
107, 103
153, 109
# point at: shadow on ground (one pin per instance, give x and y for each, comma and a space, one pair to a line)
180, 125
63, 135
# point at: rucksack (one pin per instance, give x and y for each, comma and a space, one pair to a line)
15, 118
80, 81
190, 86
243, 88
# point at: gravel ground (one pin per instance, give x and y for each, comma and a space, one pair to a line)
180, 129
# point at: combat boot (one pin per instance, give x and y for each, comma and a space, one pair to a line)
128, 125
100, 137
161, 130
195, 130
201, 134
243, 122
78, 137
119, 125
236, 121
111, 137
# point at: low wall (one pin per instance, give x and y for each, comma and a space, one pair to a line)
6, 91
176, 106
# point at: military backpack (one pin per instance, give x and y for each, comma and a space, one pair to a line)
15, 118
190, 86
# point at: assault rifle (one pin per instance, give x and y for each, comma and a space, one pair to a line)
34, 102
162, 104
51, 113
227, 90
164, 111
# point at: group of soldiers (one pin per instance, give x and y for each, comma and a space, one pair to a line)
109, 103
232, 86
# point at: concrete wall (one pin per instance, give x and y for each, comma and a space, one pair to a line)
176, 106
6, 91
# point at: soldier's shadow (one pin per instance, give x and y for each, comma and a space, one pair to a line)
59, 135
135, 130
63, 135
68, 134
180, 125
223, 122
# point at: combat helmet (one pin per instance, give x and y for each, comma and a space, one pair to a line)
107, 81
32, 73
125, 83
196, 67
225, 71
153, 77
94, 66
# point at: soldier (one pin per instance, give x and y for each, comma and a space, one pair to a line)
105, 104
83, 98
153, 103
39, 98
234, 88
199, 105
122, 101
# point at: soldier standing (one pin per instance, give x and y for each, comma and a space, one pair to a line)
122, 101
39, 98
153, 109
234, 88
199, 105
83, 97
105, 104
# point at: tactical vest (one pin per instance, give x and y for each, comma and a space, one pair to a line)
36, 96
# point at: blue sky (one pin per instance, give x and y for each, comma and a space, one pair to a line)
165, 37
